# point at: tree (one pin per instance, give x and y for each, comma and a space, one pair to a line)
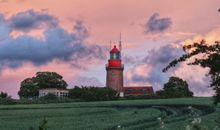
206, 56
50, 80
93, 93
30, 86
175, 87
3, 95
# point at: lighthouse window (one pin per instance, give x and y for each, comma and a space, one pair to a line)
115, 55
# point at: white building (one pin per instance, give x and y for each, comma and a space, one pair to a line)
56, 91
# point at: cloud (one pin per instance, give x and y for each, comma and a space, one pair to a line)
81, 31
30, 19
56, 44
86, 81
149, 72
157, 25
4, 28
209, 37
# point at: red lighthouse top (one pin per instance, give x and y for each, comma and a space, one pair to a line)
115, 58
114, 50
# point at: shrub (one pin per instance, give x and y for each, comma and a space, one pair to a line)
93, 94
49, 96
7, 101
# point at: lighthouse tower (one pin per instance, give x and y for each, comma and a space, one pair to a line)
114, 68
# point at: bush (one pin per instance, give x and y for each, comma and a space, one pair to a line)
49, 96
7, 101
93, 94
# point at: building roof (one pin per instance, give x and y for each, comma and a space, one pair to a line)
53, 89
114, 50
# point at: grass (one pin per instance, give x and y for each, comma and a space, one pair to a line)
123, 114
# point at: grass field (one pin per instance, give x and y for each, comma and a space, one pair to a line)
111, 115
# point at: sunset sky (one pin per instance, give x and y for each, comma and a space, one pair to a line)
72, 38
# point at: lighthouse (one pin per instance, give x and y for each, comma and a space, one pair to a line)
114, 76
115, 68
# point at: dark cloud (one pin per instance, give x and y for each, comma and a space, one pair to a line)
81, 31
56, 44
30, 19
4, 28
157, 25
163, 55
157, 59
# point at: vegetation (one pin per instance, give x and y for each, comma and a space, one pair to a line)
3, 95
5, 99
49, 97
168, 114
207, 56
175, 88
93, 93
42, 126
30, 86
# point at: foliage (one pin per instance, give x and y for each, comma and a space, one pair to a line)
7, 101
30, 86
93, 93
43, 125
3, 95
49, 96
206, 56
175, 88
134, 97
128, 114
50, 80
195, 121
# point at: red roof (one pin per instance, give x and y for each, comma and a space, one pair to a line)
114, 50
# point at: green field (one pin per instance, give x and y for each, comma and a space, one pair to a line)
111, 115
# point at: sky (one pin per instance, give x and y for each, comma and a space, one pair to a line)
72, 38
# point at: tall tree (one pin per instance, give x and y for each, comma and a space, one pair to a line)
30, 86
206, 56
176, 87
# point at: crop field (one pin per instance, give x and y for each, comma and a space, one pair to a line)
170, 114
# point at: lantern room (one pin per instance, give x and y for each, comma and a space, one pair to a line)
115, 58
